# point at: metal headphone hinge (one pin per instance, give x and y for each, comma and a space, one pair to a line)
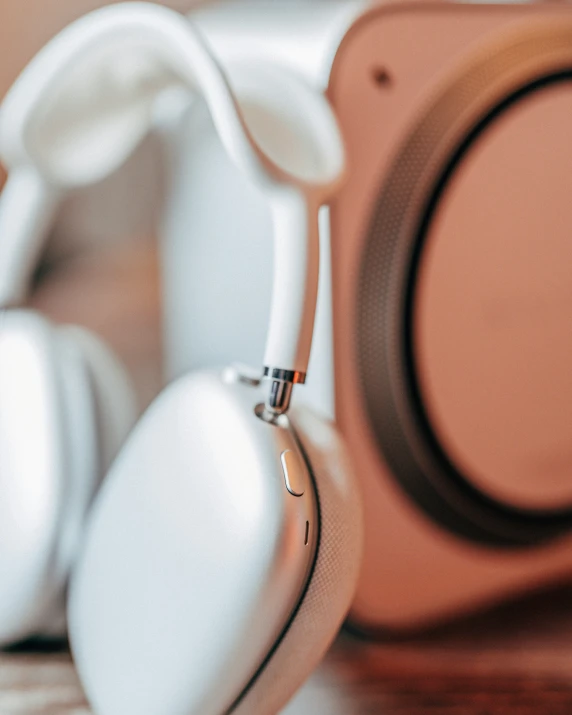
281, 386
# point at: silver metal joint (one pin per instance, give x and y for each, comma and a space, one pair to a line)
281, 385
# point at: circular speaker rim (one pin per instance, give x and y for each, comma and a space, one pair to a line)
457, 112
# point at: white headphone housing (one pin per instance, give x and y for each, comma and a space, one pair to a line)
211, 544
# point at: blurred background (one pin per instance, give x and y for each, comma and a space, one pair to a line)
26, 26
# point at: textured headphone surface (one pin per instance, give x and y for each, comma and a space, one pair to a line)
331, 588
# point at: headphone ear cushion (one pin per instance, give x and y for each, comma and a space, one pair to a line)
114, 397
47, 470
332, 585
96, 408
65, 406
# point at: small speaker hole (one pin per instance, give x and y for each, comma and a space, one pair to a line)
307, 537
382, 77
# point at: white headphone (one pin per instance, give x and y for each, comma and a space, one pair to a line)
222, 549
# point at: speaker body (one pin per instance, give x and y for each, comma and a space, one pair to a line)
442, 338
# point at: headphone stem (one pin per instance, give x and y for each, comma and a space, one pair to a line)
281, 386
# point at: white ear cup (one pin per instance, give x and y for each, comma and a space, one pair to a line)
114, 394
65, 407
196, 556
332, 585
47, 468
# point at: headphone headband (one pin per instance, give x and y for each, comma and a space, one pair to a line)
86, 100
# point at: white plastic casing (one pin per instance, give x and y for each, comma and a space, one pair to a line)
193, 577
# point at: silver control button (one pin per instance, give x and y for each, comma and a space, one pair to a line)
294, 472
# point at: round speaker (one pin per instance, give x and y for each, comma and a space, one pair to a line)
465, 287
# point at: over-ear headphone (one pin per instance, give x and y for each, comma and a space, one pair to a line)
222, 549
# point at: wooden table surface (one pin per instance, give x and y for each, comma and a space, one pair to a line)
515, 660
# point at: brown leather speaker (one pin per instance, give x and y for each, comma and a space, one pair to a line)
452, 285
